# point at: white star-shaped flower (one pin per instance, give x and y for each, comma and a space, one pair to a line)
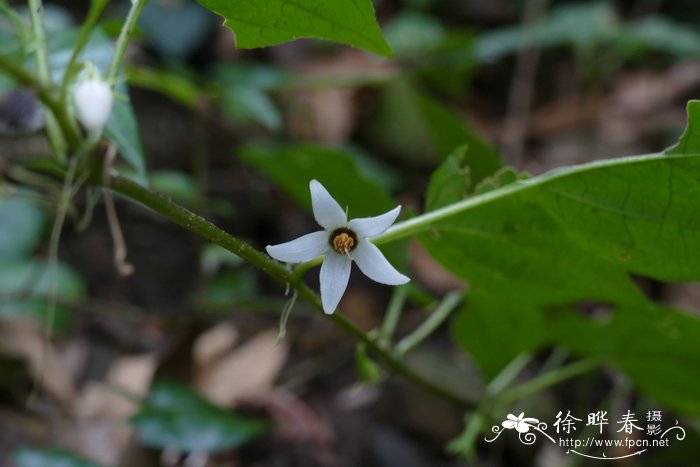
341, 242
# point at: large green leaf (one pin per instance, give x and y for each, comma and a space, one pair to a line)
537, 250
175, 417
262, 23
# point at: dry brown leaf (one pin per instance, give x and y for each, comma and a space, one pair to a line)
24, 339
132, 374
102, 432
329, 113
248, 370
99, 440
214, 343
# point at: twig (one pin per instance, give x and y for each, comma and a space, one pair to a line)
521, 90
123, 267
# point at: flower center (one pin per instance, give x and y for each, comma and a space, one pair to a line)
343, 240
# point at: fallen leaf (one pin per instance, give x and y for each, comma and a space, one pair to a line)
247, 370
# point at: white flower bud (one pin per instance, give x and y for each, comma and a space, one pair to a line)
93, 103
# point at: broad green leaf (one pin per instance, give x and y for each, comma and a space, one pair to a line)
175, 417
416, 126
656, 347
21, 224
264, 23
573, 236
49, 458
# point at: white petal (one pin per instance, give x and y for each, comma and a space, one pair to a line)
304, 248
335, 272
374, 265
373, 226
327, 211
93, 103
509, 424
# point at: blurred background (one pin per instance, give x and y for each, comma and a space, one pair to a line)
542, 83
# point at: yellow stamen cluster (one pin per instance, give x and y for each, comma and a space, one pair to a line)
343, 243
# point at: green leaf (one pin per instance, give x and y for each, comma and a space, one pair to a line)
179, 88
21, 225
179, 185
416, 126
49, 458
37, 308
34, 278
663, 35
244, 88
229, 288
411, 33
176, 29
656, 347
583, 25
534, 250
123, 130
263, 23
175, 417
449, 183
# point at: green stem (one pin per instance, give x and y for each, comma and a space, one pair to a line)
545, 380
124, 39
40, 47
197, 224
392, 315
424, 222
17, 23
436, 318
56, 138
96, 8
507, 375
